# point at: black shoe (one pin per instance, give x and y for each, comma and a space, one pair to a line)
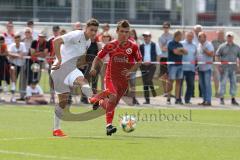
207, 104
95, 106
147, 102
201, 104
21, 99
168, 100
179, 101
135, 101
222, 101
84, 100
110, 130
234, 102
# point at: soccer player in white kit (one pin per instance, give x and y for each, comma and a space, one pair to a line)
68, 48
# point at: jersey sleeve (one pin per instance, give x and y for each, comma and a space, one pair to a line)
28, 92
103, 52
71, 37
39, 90
137, 53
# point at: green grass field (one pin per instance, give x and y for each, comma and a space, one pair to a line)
25, 134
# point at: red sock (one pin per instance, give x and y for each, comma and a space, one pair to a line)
109, 117
109, 107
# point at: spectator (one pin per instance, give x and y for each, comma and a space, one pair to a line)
50, 59
35, 94
163, 42
4, 65
175, 72
77, 26
230, 52
30, 24
216, 75
150, 52
9, 34
105, 28
197, 29
189, 69
39, 49
62, 32
106, 38
205, 54
132, 81
24, 74
17, 51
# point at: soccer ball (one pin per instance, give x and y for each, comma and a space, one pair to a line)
35, 67
128, 123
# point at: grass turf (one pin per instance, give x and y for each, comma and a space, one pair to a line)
25, 134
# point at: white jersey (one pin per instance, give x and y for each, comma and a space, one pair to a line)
34, 91
75, 45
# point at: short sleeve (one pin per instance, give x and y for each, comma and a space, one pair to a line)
158, 50
71, 37
137, 53
210, 47
219, 51
170, 46
103, 52
28, 92
39, 90
34, 44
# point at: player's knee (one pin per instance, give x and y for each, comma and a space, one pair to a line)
113, 98
63, 104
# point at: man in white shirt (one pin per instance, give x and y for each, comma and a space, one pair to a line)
34, 94
68, 48
17, 51
150, 53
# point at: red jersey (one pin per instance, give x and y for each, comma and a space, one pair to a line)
122, 57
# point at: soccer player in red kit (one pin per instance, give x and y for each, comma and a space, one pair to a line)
125, 58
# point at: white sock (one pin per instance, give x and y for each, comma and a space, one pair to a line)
13, 86
87, 90
56, 125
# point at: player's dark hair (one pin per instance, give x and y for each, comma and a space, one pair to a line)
34, 82
92, 22
123, 24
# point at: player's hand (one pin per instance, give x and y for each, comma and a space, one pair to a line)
93, 72
56, 66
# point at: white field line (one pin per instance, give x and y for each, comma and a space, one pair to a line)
43, 156
25, 109
214, 124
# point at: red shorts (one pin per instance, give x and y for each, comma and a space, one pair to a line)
118, 88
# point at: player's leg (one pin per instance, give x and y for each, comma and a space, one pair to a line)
13, 82
109, 104
60, 106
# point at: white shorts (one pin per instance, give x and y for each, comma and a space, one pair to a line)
64, 77
71, 77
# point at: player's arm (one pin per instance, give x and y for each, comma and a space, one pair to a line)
97, 63
57, 44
